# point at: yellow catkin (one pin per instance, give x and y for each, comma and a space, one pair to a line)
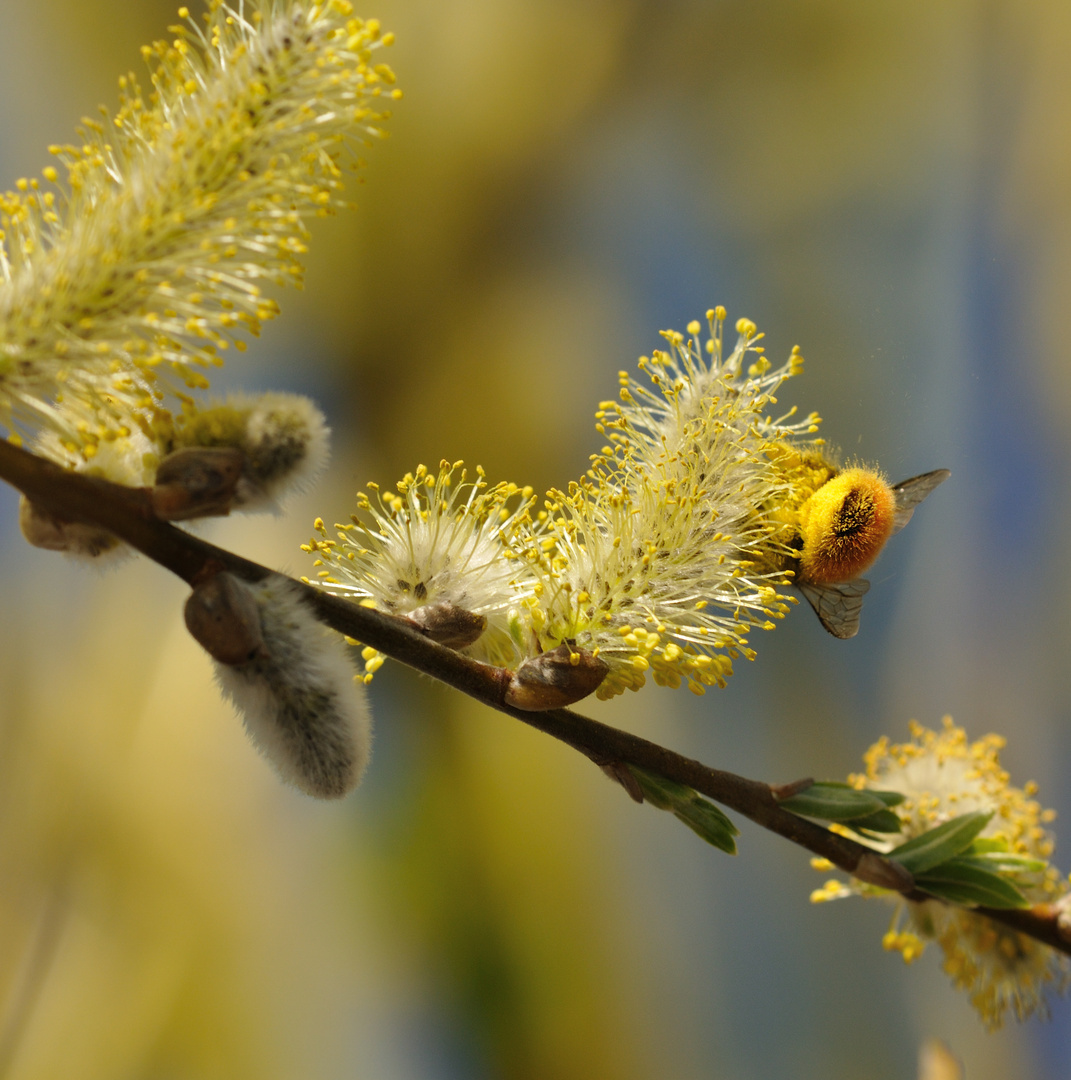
942, 774
150, 257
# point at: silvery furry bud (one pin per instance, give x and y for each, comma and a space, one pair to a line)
282, 440
46, 530
297, 695
286, 444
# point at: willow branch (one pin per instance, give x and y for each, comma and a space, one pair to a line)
127, 513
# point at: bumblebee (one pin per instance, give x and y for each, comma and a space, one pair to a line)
843, 526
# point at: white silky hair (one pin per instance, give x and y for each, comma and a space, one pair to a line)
287, 440
299, 702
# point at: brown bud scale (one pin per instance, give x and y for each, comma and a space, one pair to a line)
555, 679
222, 615
198, 481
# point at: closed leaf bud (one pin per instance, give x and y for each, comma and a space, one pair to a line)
223, 616
555, 679
936, 1062
621, 774
46, 530
297, 695
449, 625
197, 481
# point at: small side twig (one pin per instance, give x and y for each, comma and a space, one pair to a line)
128, 514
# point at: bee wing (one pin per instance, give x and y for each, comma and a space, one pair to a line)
838, 606
909, 493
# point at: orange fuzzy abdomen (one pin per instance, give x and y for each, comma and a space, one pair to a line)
844, 526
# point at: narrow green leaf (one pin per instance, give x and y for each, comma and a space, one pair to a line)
964, 895
940, 844
889, 798
698, 813
1005, 862
657, 790
884, 821
705, 819
833, 801
982, 845
965, 881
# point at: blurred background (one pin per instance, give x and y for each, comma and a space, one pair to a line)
884, 184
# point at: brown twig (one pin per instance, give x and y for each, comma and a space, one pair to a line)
127, 513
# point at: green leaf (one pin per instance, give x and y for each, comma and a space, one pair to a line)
833, 801
997, 855
940, 844
687, 805
1005, 862
705, 819
657, 790
967, 881
884, 821
982, 845
889, 798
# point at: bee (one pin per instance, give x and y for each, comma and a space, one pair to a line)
843, 527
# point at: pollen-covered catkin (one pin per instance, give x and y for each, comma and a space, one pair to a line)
440, 550
297, 696
675, 544
942, 774
133, 277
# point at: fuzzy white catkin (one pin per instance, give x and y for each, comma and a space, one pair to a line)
286, 441
283, 439
299, 702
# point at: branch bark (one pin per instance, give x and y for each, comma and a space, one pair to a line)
127, 513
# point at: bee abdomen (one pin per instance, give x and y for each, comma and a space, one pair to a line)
844, 526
